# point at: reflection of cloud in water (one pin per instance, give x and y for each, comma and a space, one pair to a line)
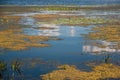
27, 21
43, 32
82, 12
89, 47
50, 29
72, 31
50, 32
54, 30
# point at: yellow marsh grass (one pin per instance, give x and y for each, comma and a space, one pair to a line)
67, 72
73, 19
45, 17
7, 19
14, 40
109, 33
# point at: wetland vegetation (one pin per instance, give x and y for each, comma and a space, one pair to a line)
12, 39
77, 34
55, 8
100, 72
110, 33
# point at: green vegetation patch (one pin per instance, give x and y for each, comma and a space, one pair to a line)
79, 21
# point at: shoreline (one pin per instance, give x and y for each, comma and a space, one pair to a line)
35, 8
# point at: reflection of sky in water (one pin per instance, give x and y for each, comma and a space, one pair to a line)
27, 21
57, 31
91, 48
65, 31
84, 13
70, 50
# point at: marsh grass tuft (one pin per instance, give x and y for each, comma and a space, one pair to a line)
3, 66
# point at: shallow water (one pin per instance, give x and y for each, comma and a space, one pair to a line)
82, 12
73, 49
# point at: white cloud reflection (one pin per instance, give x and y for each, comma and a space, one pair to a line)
89, 47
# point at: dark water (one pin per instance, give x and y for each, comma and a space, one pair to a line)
73, 49
59, 2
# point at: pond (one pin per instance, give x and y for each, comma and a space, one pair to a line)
67, 46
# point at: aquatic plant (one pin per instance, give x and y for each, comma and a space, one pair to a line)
16, 65
3, 66
6, 67
107, 58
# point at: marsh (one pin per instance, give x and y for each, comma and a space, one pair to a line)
46, 40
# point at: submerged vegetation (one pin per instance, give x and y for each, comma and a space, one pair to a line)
99, 72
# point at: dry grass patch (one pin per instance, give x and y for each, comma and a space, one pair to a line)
14, 39
108, 33
67, 72
45, 17
8, 19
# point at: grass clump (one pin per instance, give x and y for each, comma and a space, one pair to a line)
2, 66
101, 71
